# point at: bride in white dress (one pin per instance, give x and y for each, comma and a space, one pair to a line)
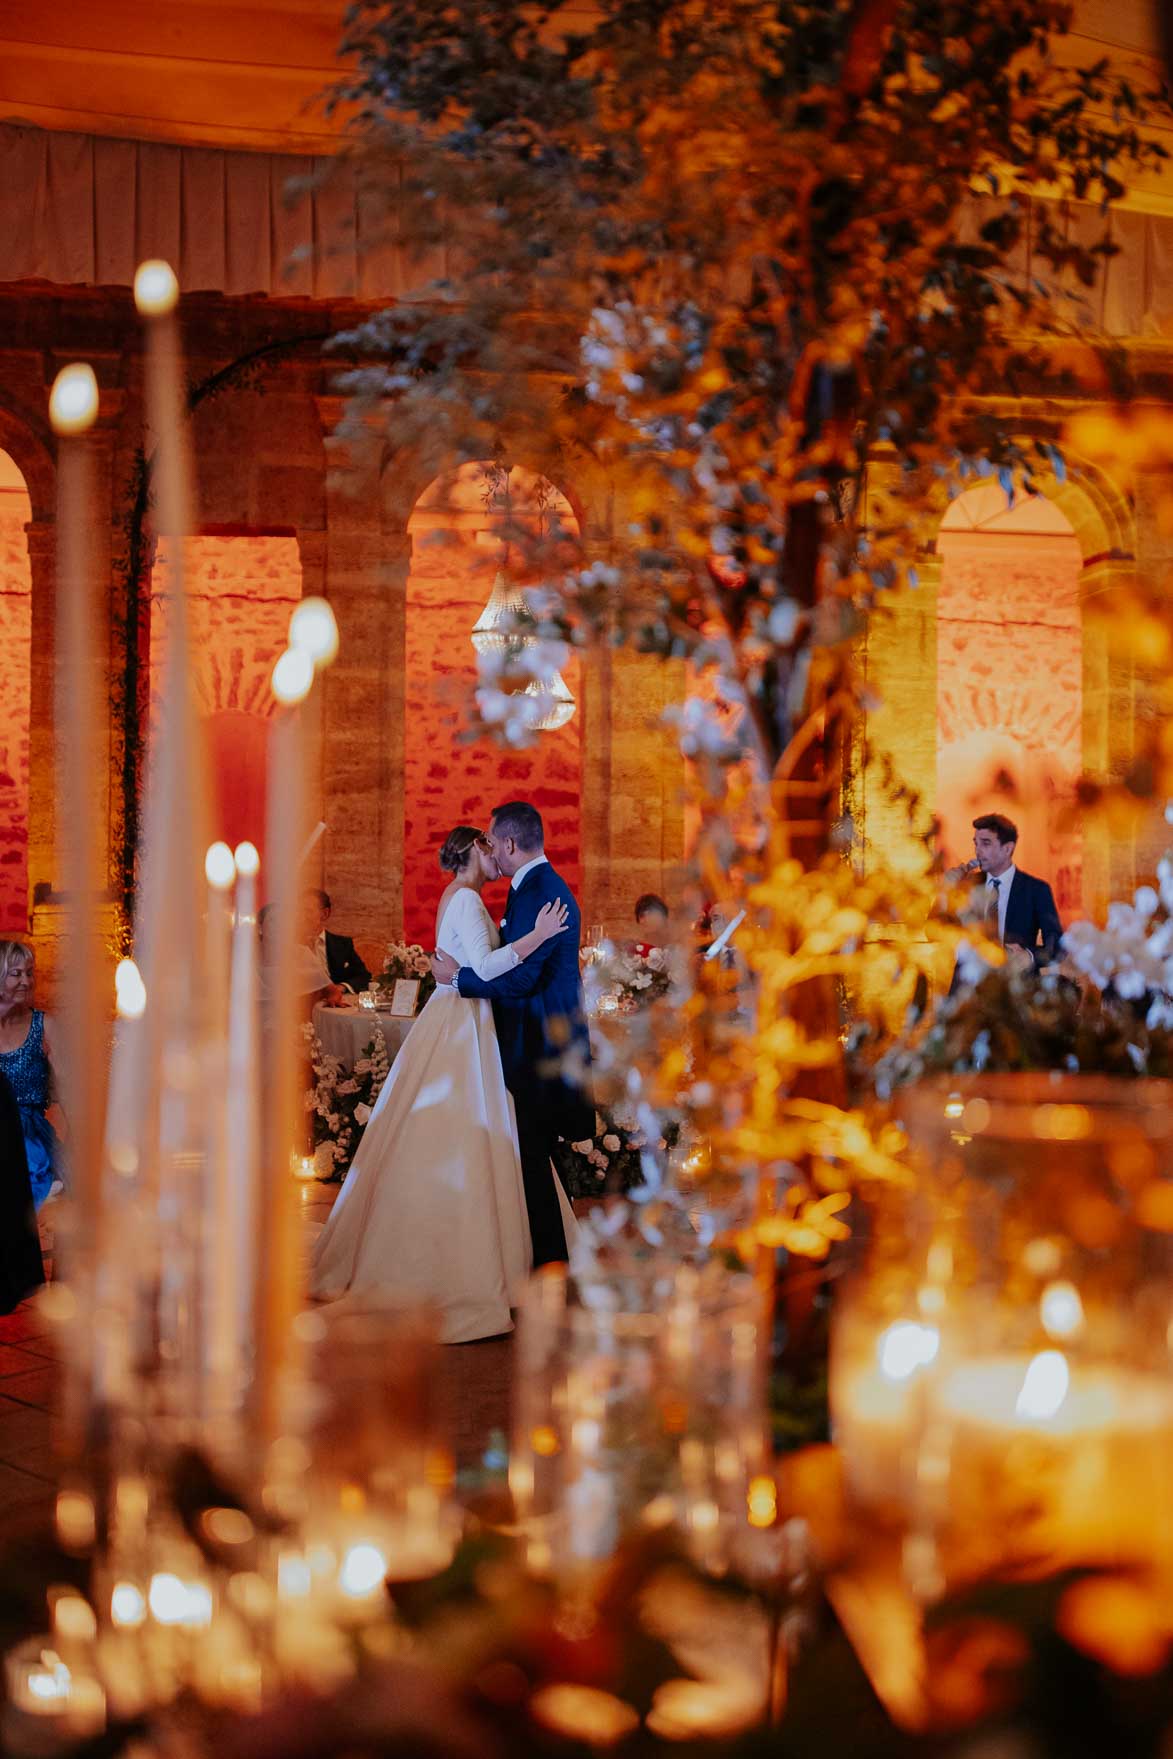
433, 1207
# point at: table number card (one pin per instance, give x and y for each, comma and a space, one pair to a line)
404, 997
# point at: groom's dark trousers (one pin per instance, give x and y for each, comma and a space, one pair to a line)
538, 1012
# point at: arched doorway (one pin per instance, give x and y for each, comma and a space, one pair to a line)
466, 527
1010, 680
15, 653
242, 587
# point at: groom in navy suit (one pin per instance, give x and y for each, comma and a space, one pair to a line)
539, 1016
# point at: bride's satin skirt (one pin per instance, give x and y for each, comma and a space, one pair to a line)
433, 1207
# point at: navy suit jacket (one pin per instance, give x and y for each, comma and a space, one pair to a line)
538, 1008
1032, 920
343, 963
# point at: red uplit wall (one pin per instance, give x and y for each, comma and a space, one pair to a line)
1010, 682
242, 590
456, 552
15, 629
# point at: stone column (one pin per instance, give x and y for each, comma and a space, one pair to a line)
633, 784
42, 538
899, 661
364, 576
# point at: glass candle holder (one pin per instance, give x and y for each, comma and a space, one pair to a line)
380, 1502
636, 1417
1000, 1381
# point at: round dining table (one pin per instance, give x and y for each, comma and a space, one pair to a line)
346, 1032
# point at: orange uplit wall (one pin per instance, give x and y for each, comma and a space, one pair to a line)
457, 549
1010, 681
242, 590
15, 628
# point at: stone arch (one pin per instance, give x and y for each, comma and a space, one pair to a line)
242, 583
1009, 709
405, 478
1097, 508
900, 652
28, 441
454, 556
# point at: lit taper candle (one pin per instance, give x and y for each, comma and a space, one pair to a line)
73, 409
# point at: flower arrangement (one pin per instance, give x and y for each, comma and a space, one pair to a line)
1132, 954
1010, 1020
341, 1100
612, 1159
407, 960
623, 981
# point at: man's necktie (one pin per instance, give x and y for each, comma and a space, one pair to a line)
993, 887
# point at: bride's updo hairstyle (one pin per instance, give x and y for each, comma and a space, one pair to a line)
457, 848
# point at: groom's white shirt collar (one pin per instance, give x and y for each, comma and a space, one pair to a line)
528, 868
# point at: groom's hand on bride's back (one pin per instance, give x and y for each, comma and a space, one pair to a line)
444, 968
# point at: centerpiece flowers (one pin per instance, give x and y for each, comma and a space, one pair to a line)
406, 959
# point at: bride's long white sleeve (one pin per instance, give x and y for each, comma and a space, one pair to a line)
474, 927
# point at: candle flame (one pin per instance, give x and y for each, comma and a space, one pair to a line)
1045, 1386
363, 1568
175, 1602
54, 1682
73, 401
76, 1519
219, 867
314, 628
73, 1618
127, 1606
906, 1347
762, 1500
1061, 1310
130, 992
292, 676
156, 289
585, 1713
247, 860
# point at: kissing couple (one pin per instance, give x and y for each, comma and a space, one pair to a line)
453, 1197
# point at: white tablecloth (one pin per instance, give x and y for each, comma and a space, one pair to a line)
346, 1032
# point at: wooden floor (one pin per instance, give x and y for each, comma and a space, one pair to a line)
476, 1388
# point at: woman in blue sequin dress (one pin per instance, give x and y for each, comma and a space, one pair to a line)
26, 1060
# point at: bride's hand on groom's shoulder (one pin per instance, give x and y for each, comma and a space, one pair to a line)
551, 919
444, 968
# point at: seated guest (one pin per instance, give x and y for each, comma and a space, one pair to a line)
26, 1060
335, 951
651, 921
21, 1268
310, 980
1017, 909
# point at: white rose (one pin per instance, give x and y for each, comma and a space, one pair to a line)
612, 1144
362, 1114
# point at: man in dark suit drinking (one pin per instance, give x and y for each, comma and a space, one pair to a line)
1017, 908
538, 1011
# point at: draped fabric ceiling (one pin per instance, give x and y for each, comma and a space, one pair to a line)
80, 209
185, 129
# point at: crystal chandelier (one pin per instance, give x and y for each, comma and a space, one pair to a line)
506, 604
495, 631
